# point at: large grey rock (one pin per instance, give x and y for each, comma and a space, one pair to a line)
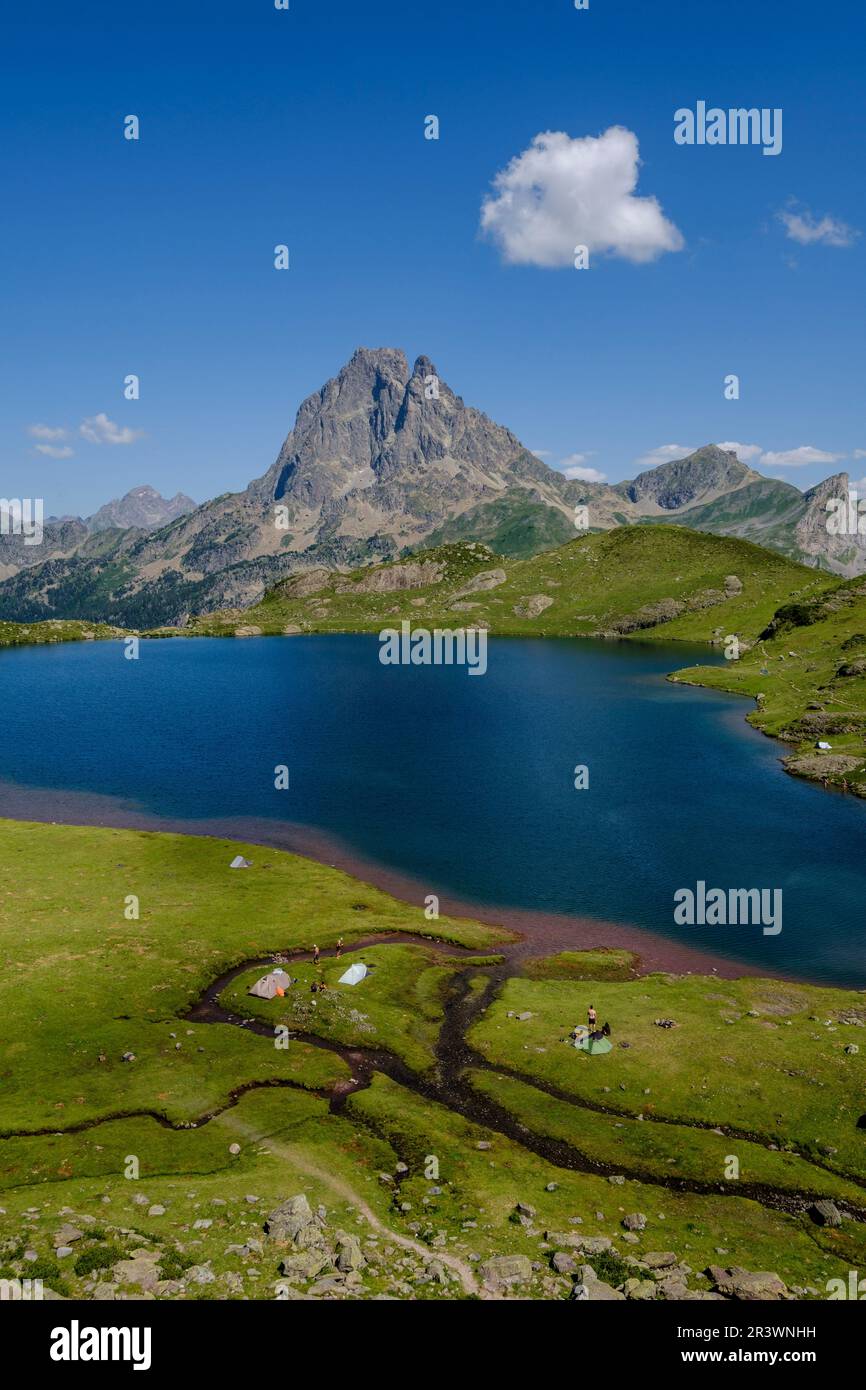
748, 1285
305, 1265
295, 1221
826, 1213
141, 1270
635, 1221
507, 1269
349, 1253
589, 1287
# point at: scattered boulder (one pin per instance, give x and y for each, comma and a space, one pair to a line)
589, 1286
659, 1259
67, 1235
294, 1220
826, 1213
747, 1285
531, 607
349, 1256
305, 1265
506, 1269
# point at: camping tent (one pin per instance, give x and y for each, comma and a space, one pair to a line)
267, 986
593, 1045
353, 975
240, 863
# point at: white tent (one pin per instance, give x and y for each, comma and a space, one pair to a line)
240, 863
354, 975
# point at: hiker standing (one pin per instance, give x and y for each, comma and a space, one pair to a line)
591, 1017
339, 948
316, 954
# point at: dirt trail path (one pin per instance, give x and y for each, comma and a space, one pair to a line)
344, 1189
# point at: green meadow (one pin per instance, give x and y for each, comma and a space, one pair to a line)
177, 1154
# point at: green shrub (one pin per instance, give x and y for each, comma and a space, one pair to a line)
173, 1265
611, 1268
97, 1257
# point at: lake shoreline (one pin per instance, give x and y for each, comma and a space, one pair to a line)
537, 933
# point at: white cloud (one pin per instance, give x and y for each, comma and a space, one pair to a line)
541, 453
806, 229
664, 454
858, 485
46, 432
744, 452
98, 429
859, 454
802, 457
563, 192
575, 467
55, 451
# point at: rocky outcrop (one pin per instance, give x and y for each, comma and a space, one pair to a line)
480, 583
532, 606
844, 553
394, 579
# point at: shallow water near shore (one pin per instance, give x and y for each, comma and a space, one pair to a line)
463, 785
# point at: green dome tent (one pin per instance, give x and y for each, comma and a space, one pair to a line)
593, 1045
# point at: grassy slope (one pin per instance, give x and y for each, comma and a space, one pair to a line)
54, 630
594, 582
102, 984
513, 525
794, 675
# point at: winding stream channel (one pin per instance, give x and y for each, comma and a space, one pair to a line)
445, 1084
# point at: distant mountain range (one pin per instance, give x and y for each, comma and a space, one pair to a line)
382, 461
142, 508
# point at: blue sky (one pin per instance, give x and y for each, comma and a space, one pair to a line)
306, 127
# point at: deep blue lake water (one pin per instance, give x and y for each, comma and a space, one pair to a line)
465, 783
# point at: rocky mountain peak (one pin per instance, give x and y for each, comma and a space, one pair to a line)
142, 507
699, 477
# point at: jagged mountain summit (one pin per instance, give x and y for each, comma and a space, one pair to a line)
142, 507
382, 460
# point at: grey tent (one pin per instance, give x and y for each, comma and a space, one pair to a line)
267, 986
240, 863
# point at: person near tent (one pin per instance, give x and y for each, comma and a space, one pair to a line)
591, 1017
600, 1033
339, 951
316, 954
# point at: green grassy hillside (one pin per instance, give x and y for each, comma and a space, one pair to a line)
513, 525
807, 675
654, 581
54, 630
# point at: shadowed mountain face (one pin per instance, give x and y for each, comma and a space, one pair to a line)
383, 459
704, 475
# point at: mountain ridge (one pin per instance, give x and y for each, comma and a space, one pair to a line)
380, 459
